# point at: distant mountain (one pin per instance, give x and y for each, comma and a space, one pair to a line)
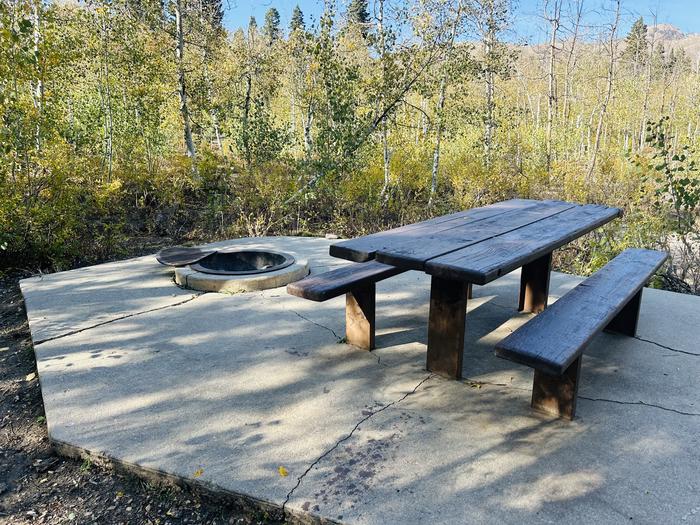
665, 32
672, 37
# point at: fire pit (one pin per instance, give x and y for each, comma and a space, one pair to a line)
243, 262
233, 270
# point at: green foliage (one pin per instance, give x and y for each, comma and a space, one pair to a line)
331, 129
358, 15
636, 45
86, 465
297, 21
339, 126
271, 29
259, 136
676, 185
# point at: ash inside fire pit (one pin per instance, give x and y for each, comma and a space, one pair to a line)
243, 262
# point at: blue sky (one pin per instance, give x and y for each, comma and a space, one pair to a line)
684, 14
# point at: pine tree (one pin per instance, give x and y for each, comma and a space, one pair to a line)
271, 29
358, 14
637, 47
660, 61
297, 22
213, 12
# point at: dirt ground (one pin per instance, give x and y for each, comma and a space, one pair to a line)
38, 486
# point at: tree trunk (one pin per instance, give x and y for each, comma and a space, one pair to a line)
382, 59
38, 88
571, 61
438, 138
181, 80
647, 90
307, 130
608, 93
551, 80
245, 132
441, 104
106, 98
490, 42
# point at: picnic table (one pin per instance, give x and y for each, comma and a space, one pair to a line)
476, 246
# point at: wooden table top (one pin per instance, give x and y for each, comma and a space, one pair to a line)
480, 244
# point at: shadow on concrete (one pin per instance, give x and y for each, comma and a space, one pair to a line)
239, 386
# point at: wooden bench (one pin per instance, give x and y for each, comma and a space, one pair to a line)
553, 342
358, 283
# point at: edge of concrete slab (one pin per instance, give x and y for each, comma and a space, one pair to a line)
216, 492
210, 490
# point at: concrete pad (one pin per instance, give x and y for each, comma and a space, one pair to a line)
450, 454
222, 390
77, 299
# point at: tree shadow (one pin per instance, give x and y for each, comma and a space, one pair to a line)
241, 385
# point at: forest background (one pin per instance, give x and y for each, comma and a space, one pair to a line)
127, 123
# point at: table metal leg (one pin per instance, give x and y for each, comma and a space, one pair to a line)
534, 284
448, 303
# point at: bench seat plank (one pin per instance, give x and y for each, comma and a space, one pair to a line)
326, 285
554, 339
414, 251
485, 261
364, 248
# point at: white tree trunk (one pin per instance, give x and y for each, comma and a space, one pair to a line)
181, 80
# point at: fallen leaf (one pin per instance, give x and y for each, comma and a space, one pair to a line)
198, 473
283, 471
30, 376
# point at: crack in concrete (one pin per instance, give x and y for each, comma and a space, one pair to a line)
635, 337
339, 339
379, 359
352, 432
642, 403
666, 347
108, 321
472, 382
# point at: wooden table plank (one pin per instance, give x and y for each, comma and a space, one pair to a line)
364, 248
411, 252
485, 261
552, 341
326, 285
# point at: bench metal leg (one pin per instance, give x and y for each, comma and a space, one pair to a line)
360, 316
448, 304
556, 395
626, 321
534, 285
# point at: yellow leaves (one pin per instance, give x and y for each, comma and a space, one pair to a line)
283, 471
120, 494
198, 473
114, 186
